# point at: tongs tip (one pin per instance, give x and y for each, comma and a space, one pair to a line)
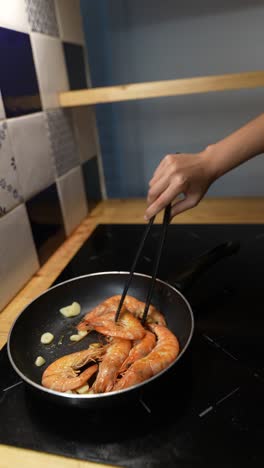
166, 220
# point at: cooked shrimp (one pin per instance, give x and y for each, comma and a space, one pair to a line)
164, 353
65, 373
140, 349
108, 305
131, 304
127, 327
109, 367
137, 308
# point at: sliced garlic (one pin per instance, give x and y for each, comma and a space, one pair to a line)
80, 336
46, 338
75, 337
83, 389
40, 361
95, 345
71, 310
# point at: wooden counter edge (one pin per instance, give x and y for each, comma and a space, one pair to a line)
227, 210
18, 457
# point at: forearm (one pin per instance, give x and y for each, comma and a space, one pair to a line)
192, 174
237, 148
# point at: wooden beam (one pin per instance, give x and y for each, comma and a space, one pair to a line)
154, 89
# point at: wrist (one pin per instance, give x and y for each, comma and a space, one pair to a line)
211, 162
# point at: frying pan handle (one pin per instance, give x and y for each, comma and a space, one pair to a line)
186, 278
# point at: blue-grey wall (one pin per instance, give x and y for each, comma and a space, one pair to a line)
146, 40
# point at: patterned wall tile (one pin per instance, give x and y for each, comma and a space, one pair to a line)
18, 79
46, 222
85, 131
17, 252
70, 21
31, 148
13, 15
75, 63
92, 182
51, 68
63, 146
2, 110
42, 16
73, 199
9, 190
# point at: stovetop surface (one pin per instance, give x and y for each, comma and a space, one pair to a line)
211, 411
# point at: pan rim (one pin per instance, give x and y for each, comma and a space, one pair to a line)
109, 394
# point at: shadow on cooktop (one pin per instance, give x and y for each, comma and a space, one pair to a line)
154, 409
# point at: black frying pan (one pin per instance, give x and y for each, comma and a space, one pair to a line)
43, 315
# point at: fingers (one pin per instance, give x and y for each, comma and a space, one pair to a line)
162, 201
164, 164
175, 175
162, 179
157, 190
186, 174
179, 207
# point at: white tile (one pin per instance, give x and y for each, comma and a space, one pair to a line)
85, 130
17, 252
51, 69
31, 148
9, 188
73, 199
42, 16
13, 15
62, 140
2, 109
70, 20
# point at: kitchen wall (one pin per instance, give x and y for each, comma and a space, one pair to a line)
145, 40
50, 167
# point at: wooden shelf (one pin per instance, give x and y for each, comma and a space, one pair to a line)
154, 89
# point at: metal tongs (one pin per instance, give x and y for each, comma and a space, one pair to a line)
165, 223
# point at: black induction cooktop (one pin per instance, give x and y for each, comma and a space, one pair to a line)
211, 412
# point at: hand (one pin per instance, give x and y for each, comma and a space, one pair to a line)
187, 174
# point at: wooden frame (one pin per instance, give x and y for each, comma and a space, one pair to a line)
154, 89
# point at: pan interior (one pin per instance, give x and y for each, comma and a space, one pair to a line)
43, 315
